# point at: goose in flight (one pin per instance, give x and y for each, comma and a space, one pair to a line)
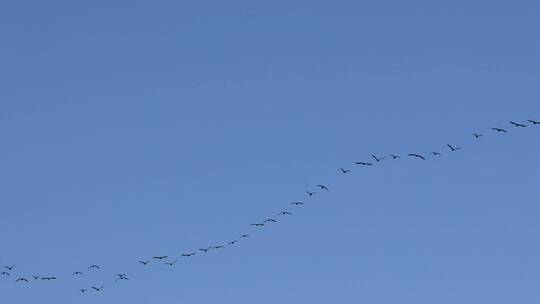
452, 148
323, 187
244, 236
499, 130
10, 268
344, 170
5, 273
217, 247
94, 267
257, 224
476, 135
310, 193
376, 158
515, 124
77, 273
363, 163
205, 249
36, 277
144, 262
284, 213
171, 263
394, 156
97, 288
188, 254
297, 203
48, 278
534, 122
436, 153
270, 220
21, 280
232, 242
161, 257
417, 156
83, 290
121, 278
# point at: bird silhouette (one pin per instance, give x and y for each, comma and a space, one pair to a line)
217, 247
284, 213
297, 203
499, 130
363, 163
190, 254
515, 124
10, 268
21, 280
257, 224
436, 153
534, 122
121, 278
344, 170
417, 156
83, 290
48, 278
205, 249
310, 193
144, 262
323, 187
376, 158
476, 135
452, 148
5, 273
97, 288
394, 156
36, 277
78, 273
161, 257
232, 242
171, 263
94, 267
244, 236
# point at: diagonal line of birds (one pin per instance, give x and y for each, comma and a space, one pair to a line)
9, 271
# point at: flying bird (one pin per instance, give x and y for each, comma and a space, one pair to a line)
363, 163
297, 203
144, 262
323, 187
10, 268
270, 220
417, 156
376, 158
94, 267
121, 278
162, 257
515, 124
233, 242
436, 153
257, 224
83, 290
171, 263
284, 213
499, 130
97, 288
394, 156
77, 273
36, 277
344, 170
205, 249
217, 247
310, 193
534, 122
48, 278
21, 280
244, 236
4, 273
188, 254
452, 148
476, 135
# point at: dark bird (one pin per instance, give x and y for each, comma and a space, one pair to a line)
270, 220
233, 242
21, 280
452, 148
297, 203
323, 187
162, 257
94, 267
436, 153
171, 263
77, 273
144, 262
10, 268
217, 247
417, 156
48, 278
36, 277
205, 249
534, 122
188, 254
515, 124
499, 130
376, 158
344, 170
394, 156
4, 273
257, 224
476, 135
284, 213
122, 278
244, 236
310, 193
97, 288
363, 164
83, 290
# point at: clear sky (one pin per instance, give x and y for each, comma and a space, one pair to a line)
137, 128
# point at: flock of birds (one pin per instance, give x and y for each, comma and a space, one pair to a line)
9, 271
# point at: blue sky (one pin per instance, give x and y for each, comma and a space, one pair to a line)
139, 128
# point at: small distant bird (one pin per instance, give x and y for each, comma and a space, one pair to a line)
244, 236
436, 153
476, 135
162, 257
36, 277
323, 187
363, 163
144, 262
297, 203
452, 148
205, 249
417, 156
97, 288
515, 124
394, 156
344, 170
270, 220
499, 130
94, 267
77, 273
121, 275
257, 224
48, 278
21, 280
233, 242
190, 254
534, 122
310, 193
83, 290
284, 213
10, 268
376, 158
171, 263
122, 278
217, 247
4, 273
